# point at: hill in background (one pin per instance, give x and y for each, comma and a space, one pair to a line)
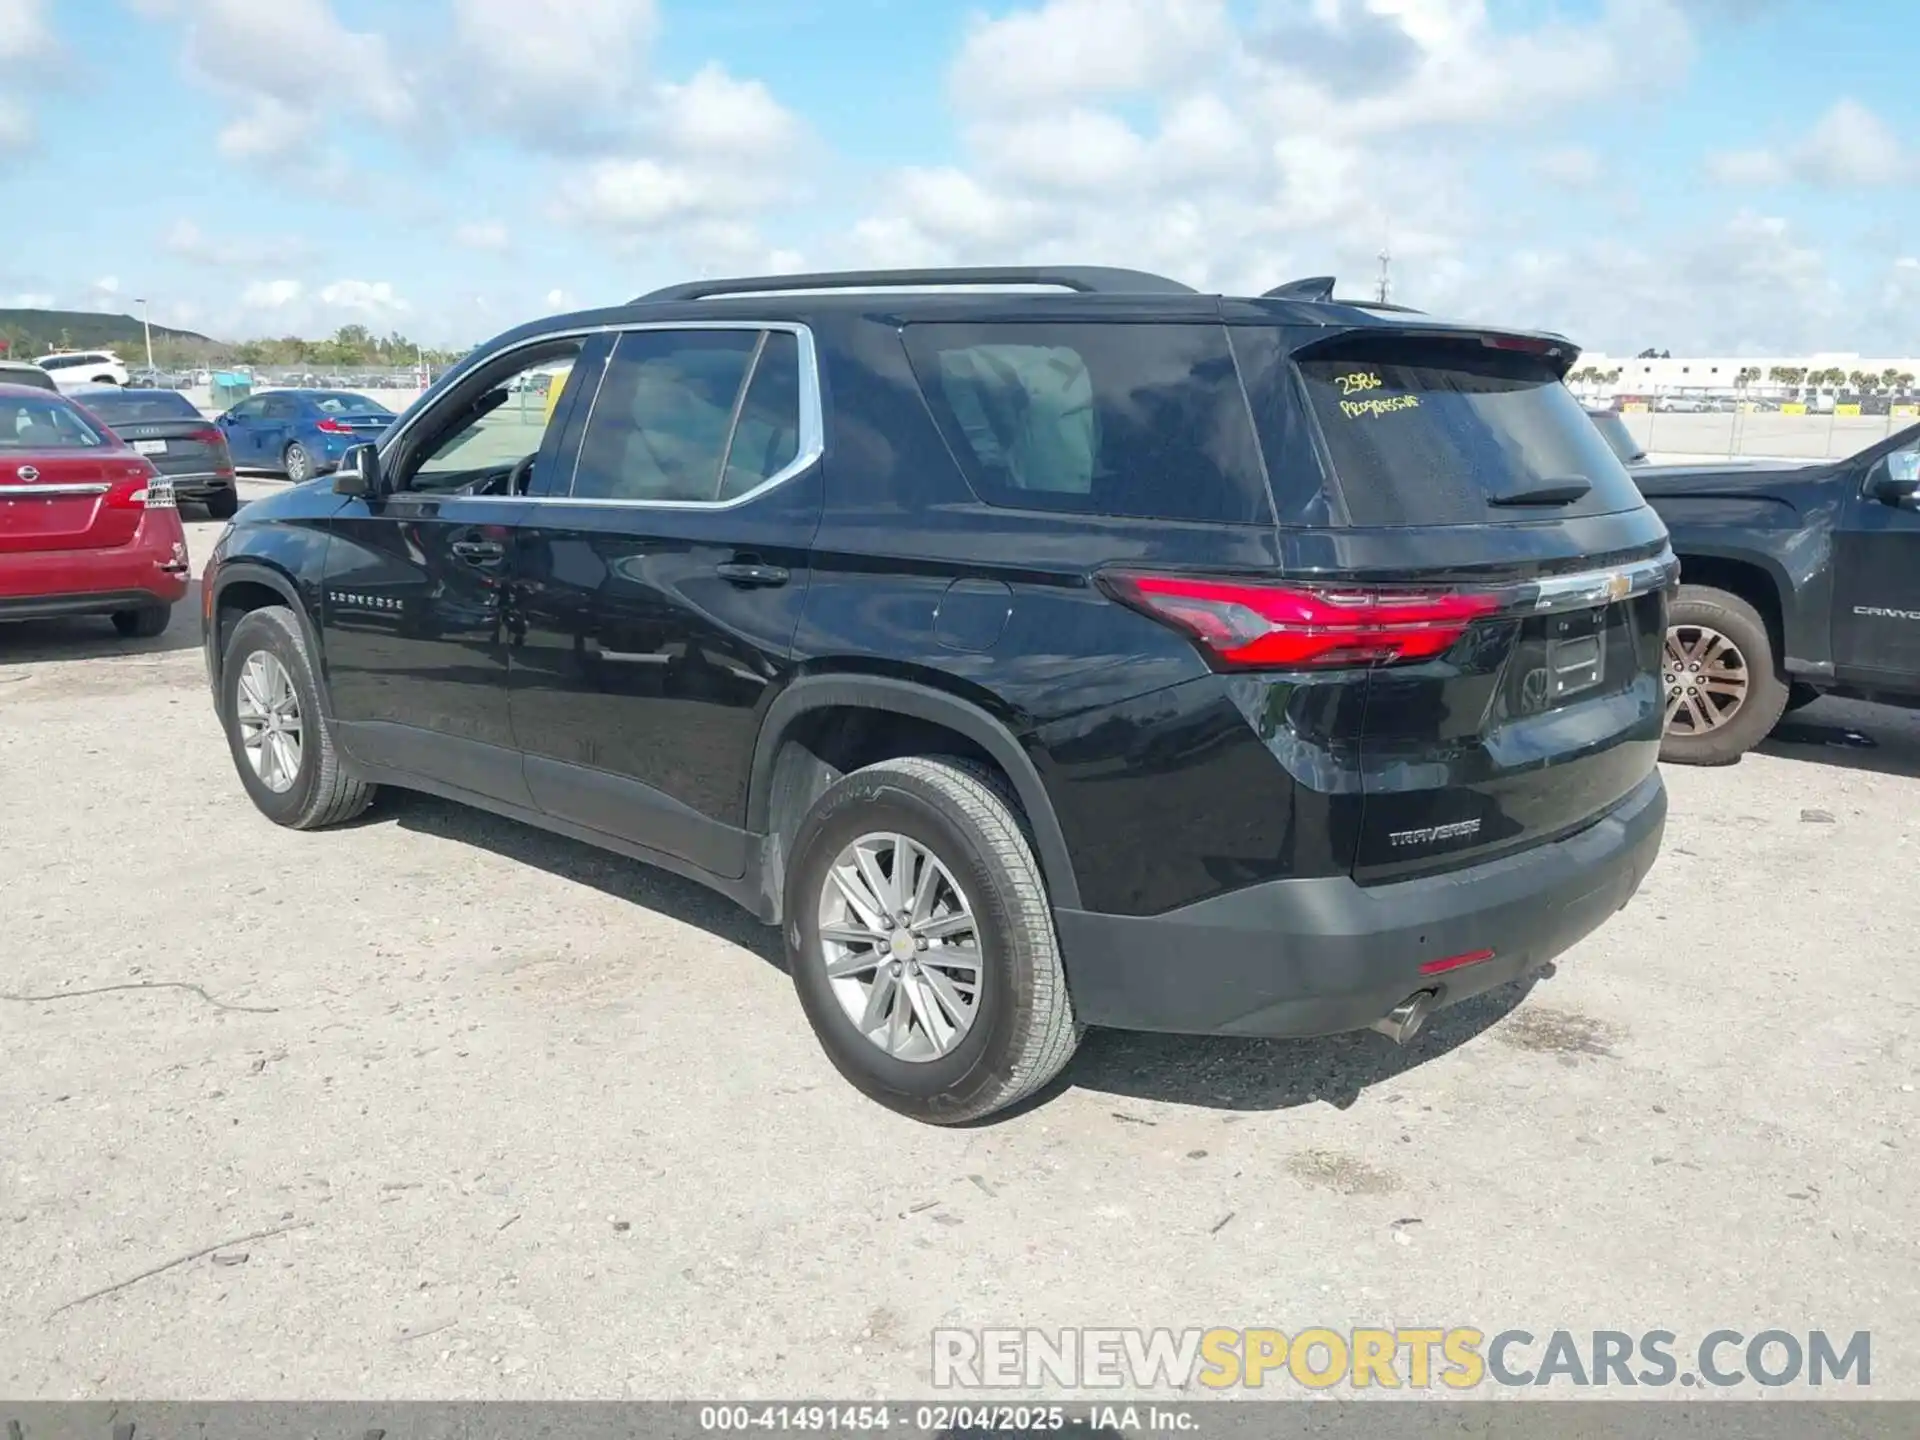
36, 332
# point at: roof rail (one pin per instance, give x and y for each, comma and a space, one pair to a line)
1315, 287
1087, 279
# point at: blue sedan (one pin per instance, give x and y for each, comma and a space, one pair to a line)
301, 433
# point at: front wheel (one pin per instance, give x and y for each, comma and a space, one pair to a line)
297, 463
280, 740
1722, 685
921, 942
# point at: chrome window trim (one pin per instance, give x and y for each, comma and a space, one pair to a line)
813, 426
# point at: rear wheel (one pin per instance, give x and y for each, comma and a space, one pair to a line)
297, 463
144, 623
281, 742
223, 504
921, 942
1722, 685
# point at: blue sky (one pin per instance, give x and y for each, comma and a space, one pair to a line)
1679, 173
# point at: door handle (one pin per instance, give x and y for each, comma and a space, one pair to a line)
479, 552
752, 572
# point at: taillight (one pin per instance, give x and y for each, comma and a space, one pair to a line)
331, 426
140, 488
1247, 623
208, 436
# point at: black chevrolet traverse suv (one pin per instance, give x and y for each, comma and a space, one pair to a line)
1119, 655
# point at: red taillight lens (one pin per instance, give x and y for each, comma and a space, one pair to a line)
208, 436
130, 487
1244, 623
331, 426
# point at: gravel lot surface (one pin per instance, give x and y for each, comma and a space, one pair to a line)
532, 1120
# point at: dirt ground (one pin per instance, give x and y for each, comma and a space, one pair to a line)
443, 1106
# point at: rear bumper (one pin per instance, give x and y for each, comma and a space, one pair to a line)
1315, 957
143, 572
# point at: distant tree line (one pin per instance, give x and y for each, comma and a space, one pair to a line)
27, 333
1793, 377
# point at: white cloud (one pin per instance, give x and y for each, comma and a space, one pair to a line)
29, 300
17, 128
271, 294
1847, 147
716, 116
559, 301
1072, 49
27, 50
188, 242
1574, 166
483, 235
374, 299
1165, 134
545, 68
1853, 146
25, 33
261, 55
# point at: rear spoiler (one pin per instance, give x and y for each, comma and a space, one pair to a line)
1558, 351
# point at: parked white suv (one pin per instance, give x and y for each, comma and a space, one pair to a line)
76, 369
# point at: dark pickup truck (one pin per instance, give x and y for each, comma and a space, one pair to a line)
1797, 580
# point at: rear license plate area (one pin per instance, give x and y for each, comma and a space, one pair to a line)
1558, 658
150, 447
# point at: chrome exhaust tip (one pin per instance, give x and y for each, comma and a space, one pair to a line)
1403, 1022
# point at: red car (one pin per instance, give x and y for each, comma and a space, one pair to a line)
87, 526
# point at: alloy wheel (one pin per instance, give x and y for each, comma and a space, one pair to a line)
901, 947
299, 464
268, 709
1705, 677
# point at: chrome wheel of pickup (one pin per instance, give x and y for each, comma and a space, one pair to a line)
1705, 677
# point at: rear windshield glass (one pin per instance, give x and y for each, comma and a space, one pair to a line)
341, 402
130, 407
1442, 433
30, 423
1107, 419
1619, 439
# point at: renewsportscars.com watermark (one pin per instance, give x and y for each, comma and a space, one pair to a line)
1454, 1359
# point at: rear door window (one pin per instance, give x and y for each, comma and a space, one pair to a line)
692, 417
1442, 432
1127, 419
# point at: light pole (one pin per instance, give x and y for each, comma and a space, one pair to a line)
146, 323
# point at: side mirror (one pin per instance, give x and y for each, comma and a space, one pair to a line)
1882, 486
359, 472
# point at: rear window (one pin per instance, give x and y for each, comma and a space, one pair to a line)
343, 403
1116, 419
1436, 433
1619, 439
131, 407
30, 423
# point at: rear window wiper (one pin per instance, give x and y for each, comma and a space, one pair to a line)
1549, 490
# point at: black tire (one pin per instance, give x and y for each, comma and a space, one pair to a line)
296, 463
1702, 607
223, 504
322, 792
146, 623
1023, 1032
1799, 696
